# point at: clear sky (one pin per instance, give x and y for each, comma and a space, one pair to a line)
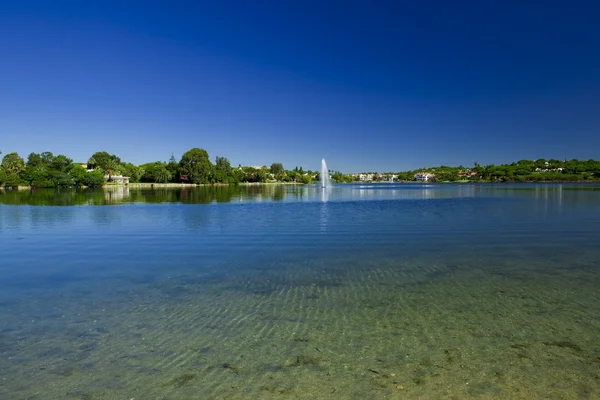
370, 86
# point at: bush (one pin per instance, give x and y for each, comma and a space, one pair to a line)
12, 180
94, 179
306, 179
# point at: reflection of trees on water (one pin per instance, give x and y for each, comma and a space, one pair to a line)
551, 193
125, 194
53, 197
278, 193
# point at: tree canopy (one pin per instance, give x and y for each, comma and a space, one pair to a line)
196, 165
103, 160
47, 170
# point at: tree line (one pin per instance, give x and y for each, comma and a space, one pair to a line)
45, 170
540, 170
49, 171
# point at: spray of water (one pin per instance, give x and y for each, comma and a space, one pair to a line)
324, 175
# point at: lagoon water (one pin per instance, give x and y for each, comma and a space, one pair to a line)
379, 291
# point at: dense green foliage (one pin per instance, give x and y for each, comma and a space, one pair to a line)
224, 172
521, 171
48, 171
540, 170
156, 172
196, 166
45, 170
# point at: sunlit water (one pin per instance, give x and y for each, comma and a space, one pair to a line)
353, 292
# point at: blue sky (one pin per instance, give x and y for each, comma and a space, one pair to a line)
370, 86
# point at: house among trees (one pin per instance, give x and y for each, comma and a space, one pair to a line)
119, 179
389, 177
548, 169
424, 176
466, 174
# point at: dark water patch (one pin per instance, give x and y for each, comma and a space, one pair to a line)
306, 360
182, 380
451, 356
231, 367
564, 344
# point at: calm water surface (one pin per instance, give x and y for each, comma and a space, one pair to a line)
381, 291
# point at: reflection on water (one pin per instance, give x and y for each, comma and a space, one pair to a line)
325, 193
116, 194
551, 193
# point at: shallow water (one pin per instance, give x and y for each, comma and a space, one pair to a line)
354, 292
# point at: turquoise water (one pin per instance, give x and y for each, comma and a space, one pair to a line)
353, 292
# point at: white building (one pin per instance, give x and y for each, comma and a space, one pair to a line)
424, 176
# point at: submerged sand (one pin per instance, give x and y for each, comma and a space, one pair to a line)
422, 328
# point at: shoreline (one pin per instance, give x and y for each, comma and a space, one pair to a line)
146, 185
186, 185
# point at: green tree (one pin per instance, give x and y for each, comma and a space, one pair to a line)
196, 165
47, 157
173, 167
61, 163
94, 178
62, 179
111, 168
307, 179
34, 170
240, 174
554, 164
156, 172
34, 160
447, 175
541, 164
46, 170
13, 164
223, 171
11, 180
134, 173
293, 175
78, 175
104, 160
276, 168
162, 175
11, 167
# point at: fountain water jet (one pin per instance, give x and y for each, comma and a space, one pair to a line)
324, 175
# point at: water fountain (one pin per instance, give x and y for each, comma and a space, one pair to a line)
324, 175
